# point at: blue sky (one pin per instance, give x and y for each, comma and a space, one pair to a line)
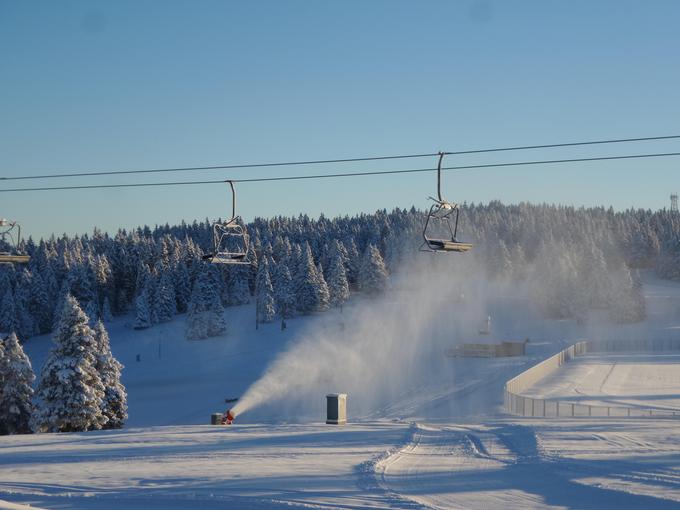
90, 85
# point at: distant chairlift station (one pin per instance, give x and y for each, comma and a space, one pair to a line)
230, 239
441, 214
10, 243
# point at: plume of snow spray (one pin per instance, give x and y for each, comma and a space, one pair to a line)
387, 352
380, 347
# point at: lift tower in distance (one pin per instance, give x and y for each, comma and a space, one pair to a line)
674, 203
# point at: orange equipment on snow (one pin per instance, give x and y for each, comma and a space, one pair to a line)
228, 418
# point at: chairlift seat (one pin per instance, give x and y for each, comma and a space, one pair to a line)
448, 245
9, 258
226, 258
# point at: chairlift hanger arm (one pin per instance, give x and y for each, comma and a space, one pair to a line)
233, 201
439, 177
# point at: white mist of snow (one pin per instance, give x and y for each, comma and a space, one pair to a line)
380, 347
386, 349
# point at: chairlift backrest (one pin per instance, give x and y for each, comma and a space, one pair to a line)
231, 242
10, 252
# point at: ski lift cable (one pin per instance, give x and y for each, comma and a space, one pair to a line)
346, 174
214, 167
337, 161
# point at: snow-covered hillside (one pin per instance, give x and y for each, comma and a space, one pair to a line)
438, 441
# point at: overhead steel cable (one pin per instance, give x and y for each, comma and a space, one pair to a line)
348, 174
214, 167
567, 144
336, 161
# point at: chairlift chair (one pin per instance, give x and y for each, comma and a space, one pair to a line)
10, 252
442, 212
230, 239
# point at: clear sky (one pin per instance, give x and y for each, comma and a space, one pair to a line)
101, 85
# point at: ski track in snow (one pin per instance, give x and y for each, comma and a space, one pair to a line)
508, 466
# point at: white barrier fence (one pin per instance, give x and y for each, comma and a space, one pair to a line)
635, 345
517, 404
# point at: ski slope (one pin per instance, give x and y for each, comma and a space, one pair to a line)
498, 464
439, 440
537, 464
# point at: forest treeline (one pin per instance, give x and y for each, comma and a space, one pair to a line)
579, 259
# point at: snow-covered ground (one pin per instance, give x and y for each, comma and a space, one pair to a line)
650, 381
439, 441
538, 464
497, 464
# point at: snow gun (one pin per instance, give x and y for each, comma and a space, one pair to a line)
228, 417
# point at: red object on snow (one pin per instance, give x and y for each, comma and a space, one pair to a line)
228, 418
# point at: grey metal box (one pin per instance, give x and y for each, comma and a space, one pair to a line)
336, 408
216, 419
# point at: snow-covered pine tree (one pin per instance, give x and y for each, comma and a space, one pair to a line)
283, 291
114, 405
295, 261
217, 324
353, 263
103, 277
143, 310
152, 292
252, 258
238, 291
308, 290
324, 294
372, 273
40, 304
338, 286
205, 317
337, 248
166, 300
8, 313
395, 247
16, 393
82, 284
595, 283
52, 286
182, 283
22, 302
266, 306
70, 393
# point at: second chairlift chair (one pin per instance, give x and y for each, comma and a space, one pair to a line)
441, 212
10, 251
230, 239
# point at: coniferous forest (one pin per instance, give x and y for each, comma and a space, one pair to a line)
301, 265
585, 259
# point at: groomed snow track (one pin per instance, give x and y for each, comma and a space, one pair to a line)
504, 465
